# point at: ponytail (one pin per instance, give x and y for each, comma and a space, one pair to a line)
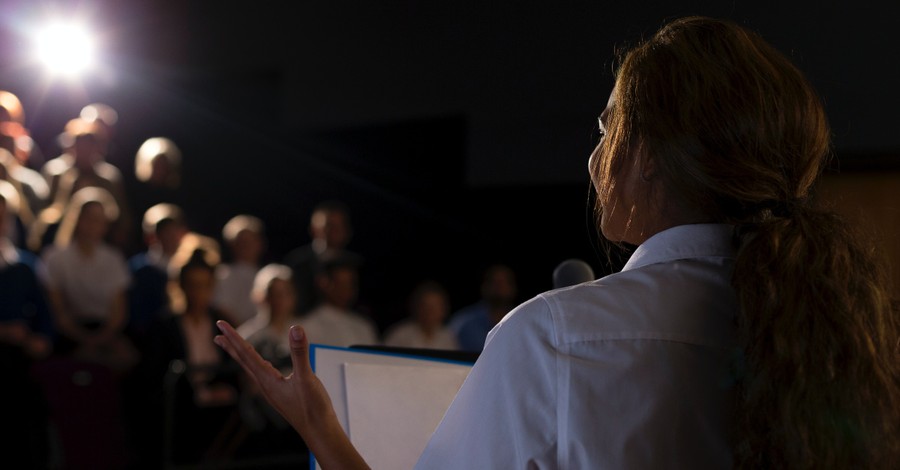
819, 335
739, 136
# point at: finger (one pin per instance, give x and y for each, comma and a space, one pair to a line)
224, 344
300, 352
243, 352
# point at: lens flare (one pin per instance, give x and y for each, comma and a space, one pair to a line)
65, 49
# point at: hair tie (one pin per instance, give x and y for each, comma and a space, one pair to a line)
786, 209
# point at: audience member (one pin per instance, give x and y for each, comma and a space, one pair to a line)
267, 433
202, 390
429, 306
244, 236
26, 336
11, 108
164, 227
334, 322
190, 243
12, 111
157, 168
15, 139
106, 117
499, 292
273, 292
25, 318
23, 219
87, 280
330, 230
83, 164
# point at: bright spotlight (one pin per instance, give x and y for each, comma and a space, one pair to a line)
65, 49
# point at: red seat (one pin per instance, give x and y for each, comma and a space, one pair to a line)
85, 413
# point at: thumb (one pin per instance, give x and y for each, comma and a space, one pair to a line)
300, 351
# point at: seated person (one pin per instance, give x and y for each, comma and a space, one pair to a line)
87, 280
164, 228
273, 292
334, 322
26, 335
181, 348
244, 236
25, 318
425, 328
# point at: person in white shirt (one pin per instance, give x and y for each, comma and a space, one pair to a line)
244, 235
425, 328
87, 280
276, 301
334, 322
749, 328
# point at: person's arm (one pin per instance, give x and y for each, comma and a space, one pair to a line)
300, 397
65, 324
118, 316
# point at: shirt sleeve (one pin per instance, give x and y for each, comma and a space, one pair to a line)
505, 414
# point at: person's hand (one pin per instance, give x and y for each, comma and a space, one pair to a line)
300, 397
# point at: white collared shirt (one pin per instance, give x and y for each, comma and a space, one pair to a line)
628, 371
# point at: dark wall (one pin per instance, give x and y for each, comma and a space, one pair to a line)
457, 131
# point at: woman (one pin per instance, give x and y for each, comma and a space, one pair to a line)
267, 332
87, 279
747, 329
182, 377
273, 293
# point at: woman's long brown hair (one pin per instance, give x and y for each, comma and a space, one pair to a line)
739, 134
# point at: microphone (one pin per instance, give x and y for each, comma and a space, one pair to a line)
570, 272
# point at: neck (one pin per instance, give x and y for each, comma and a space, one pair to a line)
86, 247
196, 313
429, 331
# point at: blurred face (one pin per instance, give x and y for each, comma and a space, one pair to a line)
247, 246
331, 226
159, 172
281, 298
198, 284
499, 286
431, 309
86, 150
339, 288
92, 223
169, 237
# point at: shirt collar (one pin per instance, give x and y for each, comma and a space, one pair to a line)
683, 242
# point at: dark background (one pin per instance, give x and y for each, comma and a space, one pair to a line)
457, 131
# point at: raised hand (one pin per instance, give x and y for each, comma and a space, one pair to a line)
300, 397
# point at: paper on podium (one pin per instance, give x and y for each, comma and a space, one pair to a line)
389, 404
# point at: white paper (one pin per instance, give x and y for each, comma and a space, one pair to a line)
329, 364
393, 410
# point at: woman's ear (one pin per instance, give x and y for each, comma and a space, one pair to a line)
648, 165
